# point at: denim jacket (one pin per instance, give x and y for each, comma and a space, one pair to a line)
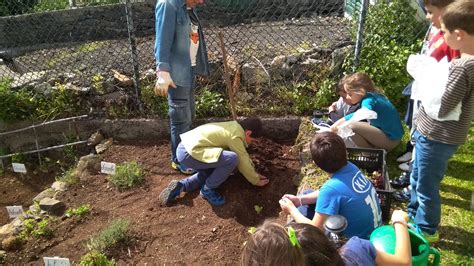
173, 28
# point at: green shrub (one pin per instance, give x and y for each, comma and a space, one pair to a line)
94, 258
127, 175
35, 228
15, 104
68, 177
211, 103
115, 233
51, 5
154, 104
391, 34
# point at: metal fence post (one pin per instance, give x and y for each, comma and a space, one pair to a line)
360, 32
133, 48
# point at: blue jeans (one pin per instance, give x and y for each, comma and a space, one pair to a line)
210, 174
429, 167
181, 111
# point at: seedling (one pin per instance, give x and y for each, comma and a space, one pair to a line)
80, 211
252, 230
258, 209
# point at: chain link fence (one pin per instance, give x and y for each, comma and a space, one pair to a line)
83, 44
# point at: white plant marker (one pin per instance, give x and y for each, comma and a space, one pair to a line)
107, 168
19, 168
14, 211
56, 261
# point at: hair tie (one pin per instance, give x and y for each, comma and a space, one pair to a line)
293, 238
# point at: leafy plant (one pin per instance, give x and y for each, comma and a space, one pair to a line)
154, 104
115, 233
69, 177
95, 258
79, 211
127, 175
35, 228
252, 230
211, 103
16, 104
386, 46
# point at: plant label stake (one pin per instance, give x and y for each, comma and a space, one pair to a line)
19, 168
56, 261
14, 211
107, 168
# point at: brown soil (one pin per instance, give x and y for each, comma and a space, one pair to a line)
188, 232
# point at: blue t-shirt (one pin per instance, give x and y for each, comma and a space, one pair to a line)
388, 119
350, 194
358, 252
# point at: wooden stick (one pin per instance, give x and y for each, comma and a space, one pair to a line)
227, 77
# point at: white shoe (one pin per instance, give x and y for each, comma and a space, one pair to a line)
405, 157
405, 167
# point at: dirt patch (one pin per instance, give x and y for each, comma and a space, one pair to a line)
188, 232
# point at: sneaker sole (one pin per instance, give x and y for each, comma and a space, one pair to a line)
164, 196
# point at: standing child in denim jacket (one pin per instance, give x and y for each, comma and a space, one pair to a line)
437, 141
180, 53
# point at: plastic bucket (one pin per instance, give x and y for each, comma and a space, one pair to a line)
383, 238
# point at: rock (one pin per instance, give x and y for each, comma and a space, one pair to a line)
292, 59
104, 145
122, 80
29, 79
89, 163
311, 61
148, 75
59, 186
48, 193
278, 61
52, 206
252, 75
337, 58
11, 243
10, 229
95, 139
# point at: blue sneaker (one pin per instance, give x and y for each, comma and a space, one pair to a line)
180, 168
212, 196
170, 193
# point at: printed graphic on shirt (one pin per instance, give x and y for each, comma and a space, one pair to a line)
194, 43
360, 183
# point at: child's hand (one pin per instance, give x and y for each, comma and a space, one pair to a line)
399, 216
286, 205
296, 200
263, 181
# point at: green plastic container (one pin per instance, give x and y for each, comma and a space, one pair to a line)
384, 238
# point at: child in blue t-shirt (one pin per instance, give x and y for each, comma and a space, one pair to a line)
348, 193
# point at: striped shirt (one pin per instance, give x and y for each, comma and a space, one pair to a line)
460, 88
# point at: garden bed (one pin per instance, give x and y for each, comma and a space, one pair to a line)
188, 232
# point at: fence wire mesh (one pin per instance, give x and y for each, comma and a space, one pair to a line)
81, 42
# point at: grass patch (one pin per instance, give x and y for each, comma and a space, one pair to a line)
115, 233
69, 177
127, 175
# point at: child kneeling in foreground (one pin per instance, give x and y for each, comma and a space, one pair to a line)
348, 192
303, 244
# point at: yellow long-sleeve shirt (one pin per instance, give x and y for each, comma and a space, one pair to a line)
206, 143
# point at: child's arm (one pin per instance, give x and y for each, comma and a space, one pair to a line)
456, 89
402, 254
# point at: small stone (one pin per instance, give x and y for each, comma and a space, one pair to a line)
51, 205
214, 229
